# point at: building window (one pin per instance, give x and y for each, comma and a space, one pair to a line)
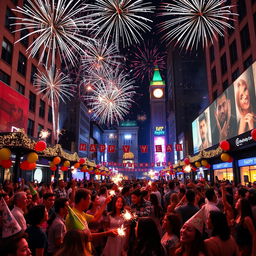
50, 115
241, 9
40, 128
6, 51
32, 102
233, 52
235, 74
8, 20
245, 38
20, 88
22, 64
42, 109
23, 33
213, 75
248, 62
212, 53
33, 73
31, 125
221, 41
5, 77
215, 95
223, 62
225, 85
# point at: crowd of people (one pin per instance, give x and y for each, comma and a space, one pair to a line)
132, 217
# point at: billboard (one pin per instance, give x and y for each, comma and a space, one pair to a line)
160, 156
231, 114
13, 109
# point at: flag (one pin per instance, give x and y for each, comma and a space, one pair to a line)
32, 190
74, 221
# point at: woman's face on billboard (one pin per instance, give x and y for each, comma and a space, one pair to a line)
243, 96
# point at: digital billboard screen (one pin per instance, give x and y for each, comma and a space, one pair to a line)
160, 156
231, 114
13, 109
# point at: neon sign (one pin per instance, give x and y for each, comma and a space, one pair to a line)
159, 130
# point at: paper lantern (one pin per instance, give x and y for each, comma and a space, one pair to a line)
197, 164
63, 168
253, 134
5, 153
6, 163
66, 164
225, 157
90, 169
81, 161
31, 166
224, 145
56, 160
230, 159
77, 165
32, 157
204, 163
187, 161
40, 146
208, 166
53, 168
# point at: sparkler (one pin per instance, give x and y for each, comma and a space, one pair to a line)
44, 134
120, 20
58, 26
121, 231
128, 215
117, 178
195, 21
55, 86
112, 192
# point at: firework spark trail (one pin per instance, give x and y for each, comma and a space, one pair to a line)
120, 20
195, 21
58, 25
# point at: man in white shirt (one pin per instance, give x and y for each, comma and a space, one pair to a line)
20, 204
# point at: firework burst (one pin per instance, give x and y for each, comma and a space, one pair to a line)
195, 21
111, 98
58, 26
120, 20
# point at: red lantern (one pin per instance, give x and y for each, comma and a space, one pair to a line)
253, 134
31, 166
225, 145
6, 163
187, 161
208, 166
40, 146
230, 160
81, 161
53, 168
24, 165
63, 168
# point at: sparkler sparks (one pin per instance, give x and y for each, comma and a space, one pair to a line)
44, 134
121, 231
120, 20
195, 21
58, 26
117, 178
112, 192
128, 215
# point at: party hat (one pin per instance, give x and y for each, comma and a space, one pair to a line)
197, 220
32, 190
10, 225
73, 221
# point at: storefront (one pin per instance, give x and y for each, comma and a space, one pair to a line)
200, 174
247, 170
223, 171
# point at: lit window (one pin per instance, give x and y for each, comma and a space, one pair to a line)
127, 136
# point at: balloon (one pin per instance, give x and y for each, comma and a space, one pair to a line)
63, 168
187, 161
84, 169
51, 164
40, 146
5, 153
56, 160
253, 134
90, 169
225, 145
53, 168
204, 163
24, 165
77, 165
32, 157
197, 164
230, 159
31, 166
66, 164
6, 163
225, 157
81, 161
208, 166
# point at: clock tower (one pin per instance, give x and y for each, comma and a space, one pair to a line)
158, 118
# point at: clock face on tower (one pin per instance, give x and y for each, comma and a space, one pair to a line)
158, 93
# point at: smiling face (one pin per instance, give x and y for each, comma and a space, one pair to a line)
243, 97
187, 233
119, 203
22, 248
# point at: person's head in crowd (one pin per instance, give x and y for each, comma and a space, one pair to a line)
210, 195
144, 194
95, 200
20, 200
118, 205
174, 198
62, 184
6, 198
172, 224
126, 191
48, 200
241, 193
243, 208
15, 246
82, 199
75, 243
29, 198
217, 222
154, 186
136, 197
190, 196
171, 185
251, 196
37, 215
148, 238
103, 191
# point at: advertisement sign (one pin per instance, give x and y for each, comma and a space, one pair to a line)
160, 156
159, 131
231, 114
247, 161
13, 109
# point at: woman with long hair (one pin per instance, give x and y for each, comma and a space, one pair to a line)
75, 243
115, 245
221, 243
156, 211
171, 238
148, 241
